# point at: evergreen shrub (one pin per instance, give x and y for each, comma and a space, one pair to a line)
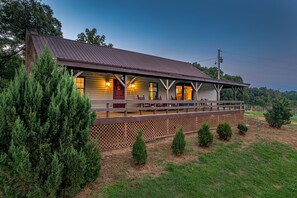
224, 131
242, 128
139, 150
205, 137
178, 144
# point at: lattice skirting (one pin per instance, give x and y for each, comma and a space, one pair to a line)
114, 133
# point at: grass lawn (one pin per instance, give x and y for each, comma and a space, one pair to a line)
260, 114
263, 169
262, 163
254, 113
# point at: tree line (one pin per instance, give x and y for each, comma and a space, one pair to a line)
254, 97
18, 16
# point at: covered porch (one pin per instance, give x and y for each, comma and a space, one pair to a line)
123, 95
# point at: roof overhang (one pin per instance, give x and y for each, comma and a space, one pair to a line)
142, 72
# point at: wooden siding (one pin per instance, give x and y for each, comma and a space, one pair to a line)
96, 90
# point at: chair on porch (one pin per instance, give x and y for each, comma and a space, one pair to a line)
205, 105
159, 104
175, 104
143, 104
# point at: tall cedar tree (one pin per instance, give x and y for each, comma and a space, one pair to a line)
44, 130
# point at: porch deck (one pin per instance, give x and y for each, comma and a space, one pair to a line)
118, 121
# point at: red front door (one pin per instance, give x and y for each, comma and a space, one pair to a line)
118, 93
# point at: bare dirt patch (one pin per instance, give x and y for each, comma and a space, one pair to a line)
119, 165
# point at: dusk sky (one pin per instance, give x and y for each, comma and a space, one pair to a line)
258, 37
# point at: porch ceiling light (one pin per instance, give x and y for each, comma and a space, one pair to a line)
107, 84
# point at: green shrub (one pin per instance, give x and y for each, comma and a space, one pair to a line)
280, 113
205, 137
178, 143
44, 145
139, 150
242, 129
224, 131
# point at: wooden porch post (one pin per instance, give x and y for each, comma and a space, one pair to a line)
218, 89
167, 87
78, 74
241, 90
235, 89
196, 87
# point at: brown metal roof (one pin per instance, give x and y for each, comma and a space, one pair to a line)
82, 55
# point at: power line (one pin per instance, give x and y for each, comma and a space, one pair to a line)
208, 59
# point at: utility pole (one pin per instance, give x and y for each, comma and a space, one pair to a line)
220, 60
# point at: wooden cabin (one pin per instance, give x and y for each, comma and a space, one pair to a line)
132, 91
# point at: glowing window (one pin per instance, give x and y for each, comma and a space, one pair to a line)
188, 90
183, 92
80, 84
153, 91
179, 92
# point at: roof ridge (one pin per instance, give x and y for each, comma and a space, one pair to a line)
57, 37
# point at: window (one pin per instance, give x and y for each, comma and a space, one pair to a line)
80, 84
179, 92
183, 92
153, 91
188, 90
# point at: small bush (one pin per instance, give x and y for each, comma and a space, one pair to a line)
178, 143
242, 129
205, 137
224, 131
280, 113
139, 150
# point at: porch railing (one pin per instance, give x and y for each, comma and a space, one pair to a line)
166, 106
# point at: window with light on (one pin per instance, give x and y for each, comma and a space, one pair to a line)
188, 90
179, 92
153, 91
80, 84
183, 92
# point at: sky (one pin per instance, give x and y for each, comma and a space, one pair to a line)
258, 38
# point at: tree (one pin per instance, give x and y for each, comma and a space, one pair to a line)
17, 16
262, 96
44, 131
224, 131
90, 36
8, 71
205, 137
178, 144
139, 150
279, 114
